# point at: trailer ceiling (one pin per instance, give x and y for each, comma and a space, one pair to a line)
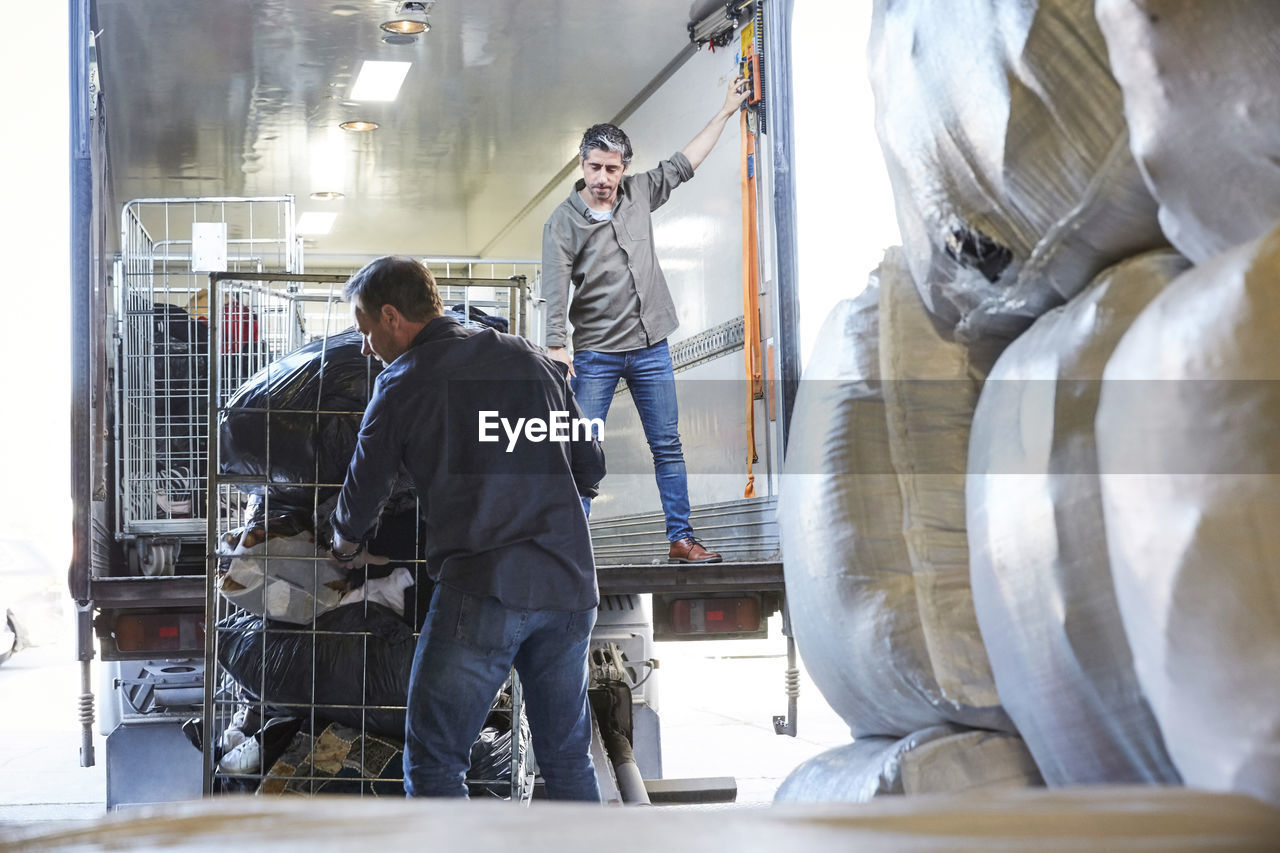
244, 98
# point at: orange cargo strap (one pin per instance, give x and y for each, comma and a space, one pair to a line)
750, 295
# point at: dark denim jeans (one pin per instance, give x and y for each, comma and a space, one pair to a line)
467, 646
652, 381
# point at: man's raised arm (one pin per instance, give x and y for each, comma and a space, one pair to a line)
700, 146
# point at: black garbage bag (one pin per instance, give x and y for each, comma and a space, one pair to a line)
301, 412
490, 771
355, 664
181, 364
493, 321
179, 402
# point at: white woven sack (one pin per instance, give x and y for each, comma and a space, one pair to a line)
943, 759
930, 391
1038, 550
1187, 443
1005, 140
1201, 85
892, 644
850, 594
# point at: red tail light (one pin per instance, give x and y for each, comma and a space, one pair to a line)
159, 632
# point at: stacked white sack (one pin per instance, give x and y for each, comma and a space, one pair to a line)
1187, 443
1201, 85
872, 519
1038, 547
930, 391
841, 520
1004, 135
938, 760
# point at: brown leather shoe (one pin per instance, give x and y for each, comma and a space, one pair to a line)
690, 550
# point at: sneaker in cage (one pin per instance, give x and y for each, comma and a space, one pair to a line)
244, 725
246, 757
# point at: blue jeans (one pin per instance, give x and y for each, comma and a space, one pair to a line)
652, 382
466, 649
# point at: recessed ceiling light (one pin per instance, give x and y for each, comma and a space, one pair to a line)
359, 125
411, 18
344, 11
315, 222
379, 81
327, 195
406, 26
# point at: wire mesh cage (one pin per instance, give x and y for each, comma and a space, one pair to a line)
168, 247
162, 309
307, 664
480, 290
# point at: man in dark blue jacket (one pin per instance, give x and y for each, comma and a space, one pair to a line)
489, 433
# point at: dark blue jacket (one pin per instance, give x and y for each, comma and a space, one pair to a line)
506, 524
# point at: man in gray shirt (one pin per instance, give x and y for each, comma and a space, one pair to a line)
599, 241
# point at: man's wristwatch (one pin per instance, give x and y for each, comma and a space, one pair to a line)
342, 558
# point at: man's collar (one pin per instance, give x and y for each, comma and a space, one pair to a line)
438, 328
575, 197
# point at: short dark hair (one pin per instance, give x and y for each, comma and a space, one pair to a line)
395, 280
605, 137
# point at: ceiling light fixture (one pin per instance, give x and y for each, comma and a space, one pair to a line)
359, 125
379, 81
327, 195
406, 26
410, 19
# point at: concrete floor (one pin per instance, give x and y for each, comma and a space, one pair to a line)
717, 702
40, 773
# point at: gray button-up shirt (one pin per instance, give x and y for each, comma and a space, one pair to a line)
621, 300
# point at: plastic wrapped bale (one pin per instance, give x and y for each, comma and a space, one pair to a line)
937, 760
1038, 547
877, 567
1005, 140
294, 424
354, 666
930, 390
1190, 462
1201, 86
275, 569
